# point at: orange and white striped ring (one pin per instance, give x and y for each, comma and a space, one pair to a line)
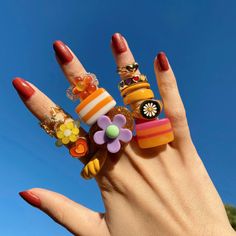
95, 105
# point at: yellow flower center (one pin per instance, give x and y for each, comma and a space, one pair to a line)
67, 132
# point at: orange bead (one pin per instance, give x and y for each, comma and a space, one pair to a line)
91, 88
75, 90
77, 80
88, 80
83, 95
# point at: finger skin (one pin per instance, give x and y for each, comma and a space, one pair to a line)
78, 219
124, 57
173, 105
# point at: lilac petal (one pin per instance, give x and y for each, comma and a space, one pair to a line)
119, 120
103, 122
114, 146
125, 135
99, 137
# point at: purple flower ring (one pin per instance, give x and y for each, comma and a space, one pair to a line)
112, 132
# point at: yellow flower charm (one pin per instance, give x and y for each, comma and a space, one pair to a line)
67, 133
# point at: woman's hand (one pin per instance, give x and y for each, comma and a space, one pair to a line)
160, 191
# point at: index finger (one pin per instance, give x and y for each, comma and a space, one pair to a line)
42, 107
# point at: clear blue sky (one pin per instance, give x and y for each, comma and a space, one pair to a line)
199, 38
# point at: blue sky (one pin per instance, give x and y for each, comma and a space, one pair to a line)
199, 38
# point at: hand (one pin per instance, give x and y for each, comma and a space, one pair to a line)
160, 191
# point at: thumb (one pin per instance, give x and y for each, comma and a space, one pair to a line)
78, 219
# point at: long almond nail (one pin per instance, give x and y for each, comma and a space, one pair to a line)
31, 198
23, 88
118, 43
162, 62
63, 53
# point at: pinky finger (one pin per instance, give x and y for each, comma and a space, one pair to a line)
173, 105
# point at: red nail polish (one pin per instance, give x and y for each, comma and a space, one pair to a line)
31, 198
118, 43
162, 62
63, 53
23, 88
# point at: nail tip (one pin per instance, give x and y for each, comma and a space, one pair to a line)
23, 88
30, 198
62, 52
118, 43
162, 62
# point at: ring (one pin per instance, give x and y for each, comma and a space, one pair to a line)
154, 133
95, 105
148, 109
57, 116
66, 130
136, 92
125, 83
83, 86
137, 95
128, 70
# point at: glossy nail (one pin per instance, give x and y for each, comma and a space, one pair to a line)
118, 43
31, 198
63, 53
162, 62
23, 88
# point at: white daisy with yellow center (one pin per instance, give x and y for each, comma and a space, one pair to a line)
150, 109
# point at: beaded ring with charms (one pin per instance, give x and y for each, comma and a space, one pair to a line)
83, 86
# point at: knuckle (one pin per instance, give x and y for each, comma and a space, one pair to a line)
168, 84
177, 115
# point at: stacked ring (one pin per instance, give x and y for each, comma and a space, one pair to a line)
136, 93
95, 104
125, 83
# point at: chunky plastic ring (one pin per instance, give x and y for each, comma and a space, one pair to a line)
133, 87
95, 105
137, 95
93, 167
154, 133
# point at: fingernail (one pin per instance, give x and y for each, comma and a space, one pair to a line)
118, 43
162, 62
31, 198
63, 53
23, 88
